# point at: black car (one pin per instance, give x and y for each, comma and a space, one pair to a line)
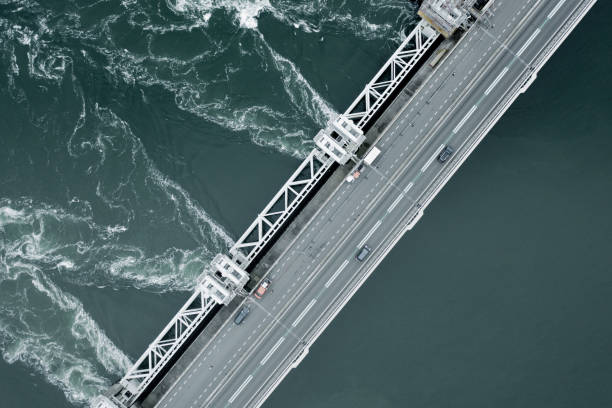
363, 253
242, 314
445, 154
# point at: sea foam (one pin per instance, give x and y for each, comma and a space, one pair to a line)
48, 330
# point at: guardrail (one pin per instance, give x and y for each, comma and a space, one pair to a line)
391, 75
280, 208
284, 203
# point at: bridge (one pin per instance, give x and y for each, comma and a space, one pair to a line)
441, 91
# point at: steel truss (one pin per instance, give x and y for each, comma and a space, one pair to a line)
278, 210
102, 402
215, 288
291, 194
165, 345
228, 276
391, 74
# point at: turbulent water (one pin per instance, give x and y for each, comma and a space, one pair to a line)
139, 138
120, 121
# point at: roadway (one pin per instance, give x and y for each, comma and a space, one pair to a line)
318, 272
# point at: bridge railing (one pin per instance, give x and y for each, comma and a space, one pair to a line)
391, 75
280, 208
365, 106
308, 174
149, 365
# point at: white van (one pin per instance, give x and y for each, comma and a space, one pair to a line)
371, 156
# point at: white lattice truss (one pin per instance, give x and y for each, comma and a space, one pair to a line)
165, 345
391, 74
273, 216
286, 200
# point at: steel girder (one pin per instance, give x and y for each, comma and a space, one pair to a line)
391, 74
291, 194
273, 216
278, 210
165, 345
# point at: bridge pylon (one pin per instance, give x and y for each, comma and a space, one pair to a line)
340, 139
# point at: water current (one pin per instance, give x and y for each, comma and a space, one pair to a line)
139, 138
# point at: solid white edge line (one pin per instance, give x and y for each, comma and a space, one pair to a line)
272, 350
396, 202
554, 11
335, 275
465, 119
499, 77
301, 316
369, 234
528, 42
284, 374
242, 387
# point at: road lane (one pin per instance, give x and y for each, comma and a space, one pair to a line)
306, 258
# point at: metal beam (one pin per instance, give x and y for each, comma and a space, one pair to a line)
213, 290
395, 70
278, 210
159, 352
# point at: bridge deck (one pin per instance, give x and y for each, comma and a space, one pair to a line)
296, 226
317, 273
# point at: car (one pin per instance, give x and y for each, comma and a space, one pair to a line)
363, 253
263, 287
242, 314
445, 154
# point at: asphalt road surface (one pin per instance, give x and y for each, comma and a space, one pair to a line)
318, 273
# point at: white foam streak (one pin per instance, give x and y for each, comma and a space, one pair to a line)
113, 136
194, 211
246, 12
305, 98
79, 251
304, 15
49, 331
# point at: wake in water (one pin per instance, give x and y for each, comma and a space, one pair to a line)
86, 204
210, 82
47, 329
262, 122
44, 245
366, 19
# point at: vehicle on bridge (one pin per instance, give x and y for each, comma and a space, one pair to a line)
363, 253
371, 156
242, 314
262, 289
354, 175
446, 153
368, 159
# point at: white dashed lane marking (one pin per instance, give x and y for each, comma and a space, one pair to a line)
395, 203
465, 119
272, 350
306, 309
528, 42
335, 275
242, 387
496, 81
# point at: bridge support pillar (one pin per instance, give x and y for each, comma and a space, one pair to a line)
349, 131
104, 402
445, 15
340, 139
214, 288
230, 270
